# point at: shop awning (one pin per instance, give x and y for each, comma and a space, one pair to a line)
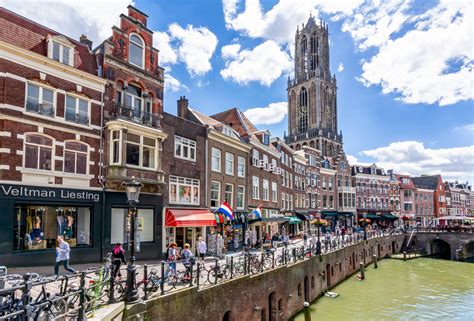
346, 214
293, 220
189, 217
389, 216
303, 217
280, 219
329, 214
370, 216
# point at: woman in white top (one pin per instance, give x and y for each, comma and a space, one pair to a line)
202, 248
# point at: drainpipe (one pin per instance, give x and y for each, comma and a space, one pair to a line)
206, 170
101, 172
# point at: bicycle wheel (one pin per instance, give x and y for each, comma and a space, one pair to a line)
58, 308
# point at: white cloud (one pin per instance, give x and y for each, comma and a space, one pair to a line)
230, 51
412, 157
265, 63
271, 114
73, 18
429, 63
278, 23
162, 41
173, 84
340, 68
196, 47
354, 161
466, 128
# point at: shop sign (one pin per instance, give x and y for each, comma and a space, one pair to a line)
35, 192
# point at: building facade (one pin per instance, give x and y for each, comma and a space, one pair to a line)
50, 128
433, 183
458, 198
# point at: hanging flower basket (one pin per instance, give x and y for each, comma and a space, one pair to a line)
319, 222
364, 220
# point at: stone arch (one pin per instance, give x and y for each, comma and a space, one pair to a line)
272, 307
468, 251
318, 145
228, 316
297, 147
439, 248
311, 144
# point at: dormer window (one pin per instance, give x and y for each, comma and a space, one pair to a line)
136, 51
266, 139
61, 50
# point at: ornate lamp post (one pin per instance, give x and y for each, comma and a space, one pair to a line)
132, 189
319, 222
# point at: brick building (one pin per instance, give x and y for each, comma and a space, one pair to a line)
424, 212
394, 194
373, 189
458, 200
227, 161
262, 174
433, 183
133, 134
346, 193
50, 153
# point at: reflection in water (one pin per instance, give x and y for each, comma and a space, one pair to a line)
420, 289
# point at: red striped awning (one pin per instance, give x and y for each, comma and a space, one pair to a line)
189, 217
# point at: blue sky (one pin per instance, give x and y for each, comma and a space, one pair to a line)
404, 67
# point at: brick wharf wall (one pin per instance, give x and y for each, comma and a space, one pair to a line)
283, 288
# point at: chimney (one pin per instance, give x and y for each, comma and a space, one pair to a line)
83, 39
183, 107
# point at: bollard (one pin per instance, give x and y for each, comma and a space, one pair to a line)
26, 296
245, 264
404, 255
162, 284
190, 274
261, 262
82, 297
362, 272
375, 261
112, 288
231, 267
216, 270
273, 260
145, 282
198, 274
307, 312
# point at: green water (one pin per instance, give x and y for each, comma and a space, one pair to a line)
420, 289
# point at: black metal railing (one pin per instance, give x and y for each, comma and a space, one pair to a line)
42, 109
137, 116
77, 296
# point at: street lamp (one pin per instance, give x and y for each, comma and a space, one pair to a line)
364, 221
319, 222
132, 189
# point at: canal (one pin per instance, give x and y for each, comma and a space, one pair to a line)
420, 289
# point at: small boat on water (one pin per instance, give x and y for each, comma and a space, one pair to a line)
331, 294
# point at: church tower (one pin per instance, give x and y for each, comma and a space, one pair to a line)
312, 94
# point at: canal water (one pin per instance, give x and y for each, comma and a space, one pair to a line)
420, 289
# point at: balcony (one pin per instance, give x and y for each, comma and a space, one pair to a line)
41, 109
137, 116
78, 119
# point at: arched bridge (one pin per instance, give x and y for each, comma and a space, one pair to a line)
454, 245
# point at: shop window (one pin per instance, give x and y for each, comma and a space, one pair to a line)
216, 159
215, 194
241, 166
77, 110
240, 196
38, 152
40, 100
136, 51
75, 158
184, 190
229, 163
140, 151
36, 227
120, 225
184, 148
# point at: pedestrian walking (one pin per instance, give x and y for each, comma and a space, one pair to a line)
285, 240
305, 238
188, 259
202, 248
62, 256
118, 257
173, 255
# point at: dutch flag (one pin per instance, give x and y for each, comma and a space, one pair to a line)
226, 210
257, 212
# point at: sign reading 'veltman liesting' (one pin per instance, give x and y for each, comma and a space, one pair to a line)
33, 192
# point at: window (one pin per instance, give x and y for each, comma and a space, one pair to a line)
184, 190
265, 190
255, 188
216, 159
77, 110
38, 152
120, 220
133, 102
265, 161
140, 151
229, 194
136, 51
115, 138
40, 100
241, 166
240, 197
283, 201
35, 227
184, 148
61, 53
229, 163
215, 194
274, 192
255, 157
75, 158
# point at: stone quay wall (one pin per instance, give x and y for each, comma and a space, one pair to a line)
274, 295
